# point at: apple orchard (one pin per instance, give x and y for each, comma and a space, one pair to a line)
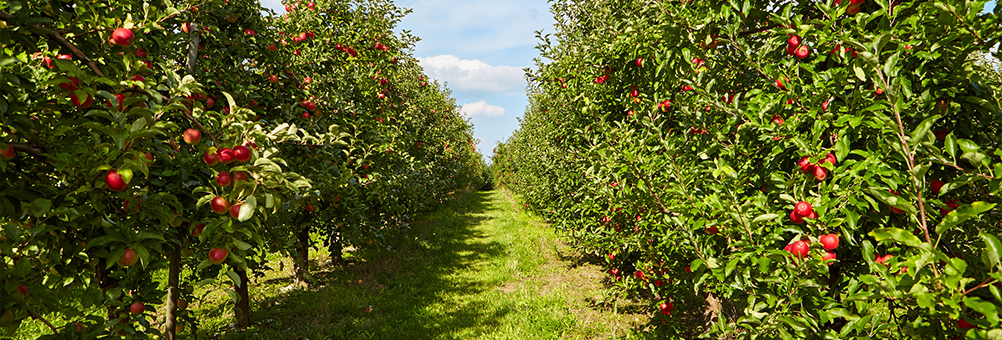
775, 169
196, 137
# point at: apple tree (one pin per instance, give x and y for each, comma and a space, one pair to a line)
792, 169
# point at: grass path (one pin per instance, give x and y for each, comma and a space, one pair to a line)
475, 269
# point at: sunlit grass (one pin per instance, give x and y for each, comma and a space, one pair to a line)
475, 269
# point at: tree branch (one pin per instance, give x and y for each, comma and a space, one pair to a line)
66, 43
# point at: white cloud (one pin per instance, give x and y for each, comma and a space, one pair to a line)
481, 108
474, 75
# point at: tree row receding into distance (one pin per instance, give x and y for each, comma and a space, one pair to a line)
775, 169
187, 140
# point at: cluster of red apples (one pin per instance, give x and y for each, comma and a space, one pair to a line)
799, 249
238, 153
819, 171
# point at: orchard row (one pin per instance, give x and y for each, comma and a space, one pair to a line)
762, 169
198, 137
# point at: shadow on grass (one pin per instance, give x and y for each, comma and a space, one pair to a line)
408, 293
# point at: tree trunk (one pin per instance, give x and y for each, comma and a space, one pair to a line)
335, 249
173, 278
106, 284
242, 310
301, 261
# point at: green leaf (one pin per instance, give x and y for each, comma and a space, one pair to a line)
247, 209
234, 277
241, 244
992, 248
38, 208
858, 71
764, 217
950, 145
145, 235
896, 234
961, 214
922, 130
986, 308
892, 200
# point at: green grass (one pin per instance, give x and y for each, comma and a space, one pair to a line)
477, 268
474, 269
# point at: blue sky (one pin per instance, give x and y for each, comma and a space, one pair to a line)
479, 49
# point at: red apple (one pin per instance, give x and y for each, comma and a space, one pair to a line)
192, 136
273, 79
141, 53
217, 255
137, 307
852, 9
779, 83
829, 158
122, 37
235, 210
937, 185
223, 178
186, 27
829, 241
963, 324
893, 209
73, 85
210, 158
778, 119
640, 61
829, 256
128, 258
197, 229
311, 106
306, 115
241, 153
803, 208
80, 327
805, 165
882, 259
949, 203
114, 180
121, 103
820, 173
22, 289
666, 308
639, 274
240, 176
941, 134
219, 205
799, 249
85, 104
797, 219
710, 230
793, 41
309, 207
802, 52
688, 270
7, 153
226, 156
